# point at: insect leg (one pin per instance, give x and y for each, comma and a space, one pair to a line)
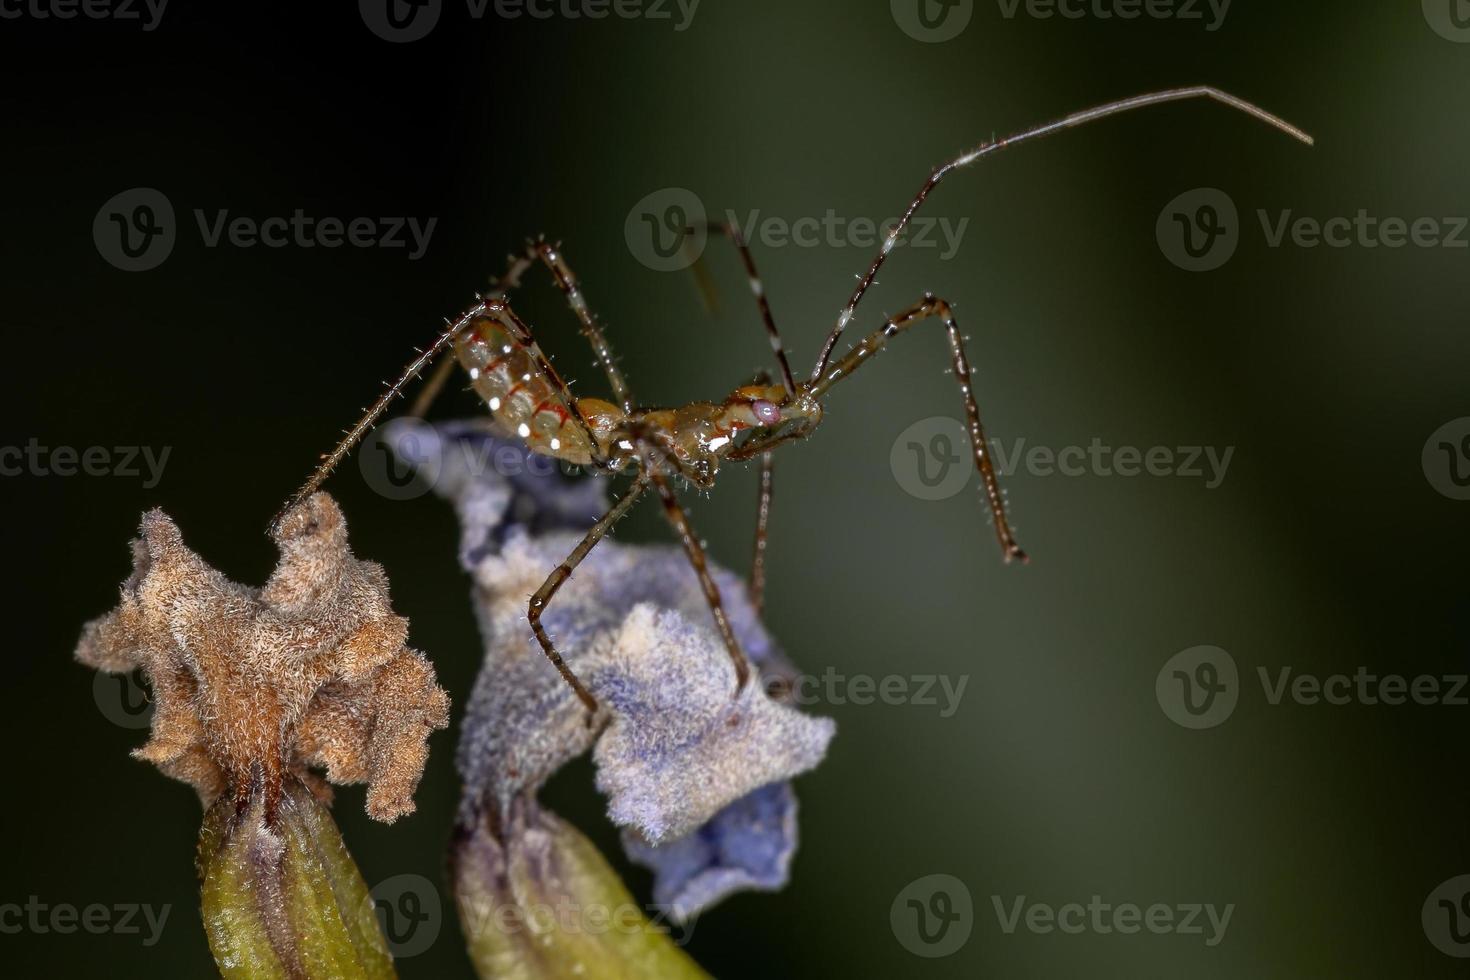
932, 306
566, 281
985, 149
762, 521
561, 573
363, 425
695, 551
758, 289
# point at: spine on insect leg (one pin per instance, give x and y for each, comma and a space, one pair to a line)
524, 398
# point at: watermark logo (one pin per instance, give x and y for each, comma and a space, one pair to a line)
121, 919
667, 230
1450, 19
931, 459
1446, 917
933, 916
149, 13
1198, 687
479, 916
409, 912
135, 230
932, 21
1446, 459
400, 21
122, 699
403, 478
1211, 13
1104, 918
130, 462
942, 691
1199, 230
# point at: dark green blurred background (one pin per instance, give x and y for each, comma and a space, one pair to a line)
1060, 777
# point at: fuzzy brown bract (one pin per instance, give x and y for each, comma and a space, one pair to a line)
250, 685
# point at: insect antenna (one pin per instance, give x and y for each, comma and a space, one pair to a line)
1066, 122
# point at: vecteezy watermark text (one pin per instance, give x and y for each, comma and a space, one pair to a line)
410, 912
1104, 918
1200, 230
401, 21
667, 230
136, 230
833, 688
1211, 13
934, 21
63, 918
1200, 687
35, 459
146, 12
933, 460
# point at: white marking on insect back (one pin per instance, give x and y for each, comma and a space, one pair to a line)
523, 430
495, 403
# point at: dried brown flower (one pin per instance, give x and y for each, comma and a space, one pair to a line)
251, 684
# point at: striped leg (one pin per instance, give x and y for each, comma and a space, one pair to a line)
757, 586
932, 306
560, 574
758, 289
566, 281
364, 425
692, 547
762, 521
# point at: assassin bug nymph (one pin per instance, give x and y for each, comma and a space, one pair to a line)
527, 397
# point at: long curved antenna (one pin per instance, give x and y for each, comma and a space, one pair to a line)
1067, 122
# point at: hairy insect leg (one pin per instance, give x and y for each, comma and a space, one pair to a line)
543, 596
932, 306
695, 552
758, 289
762, 522
354, 435
566, 281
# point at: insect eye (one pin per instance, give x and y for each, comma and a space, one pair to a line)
767, 413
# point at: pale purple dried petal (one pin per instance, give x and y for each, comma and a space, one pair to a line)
683, 761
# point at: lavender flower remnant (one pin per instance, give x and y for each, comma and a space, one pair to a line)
254, 686
698, 778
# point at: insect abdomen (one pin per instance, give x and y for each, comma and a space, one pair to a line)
523, 400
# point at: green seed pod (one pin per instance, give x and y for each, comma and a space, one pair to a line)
281, 897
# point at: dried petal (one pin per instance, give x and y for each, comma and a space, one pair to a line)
251, 685
678, 750
747, 845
